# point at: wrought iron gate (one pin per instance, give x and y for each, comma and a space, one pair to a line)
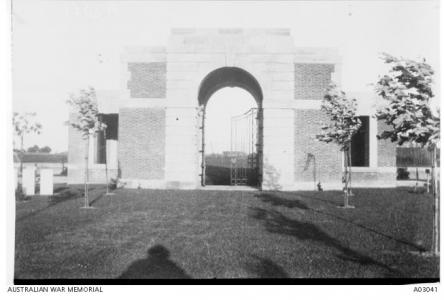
244, 158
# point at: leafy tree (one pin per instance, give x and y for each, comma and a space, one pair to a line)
33, 149
45, 149
25, 123
87, 122
37, 149
407, 89
344, 123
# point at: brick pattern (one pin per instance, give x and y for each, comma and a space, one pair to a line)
311, 80
386, 149
142, 143
148, 80
328, 157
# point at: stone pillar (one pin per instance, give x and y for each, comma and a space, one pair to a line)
111, 154
181, 148
46, 182
28, 180
278, 149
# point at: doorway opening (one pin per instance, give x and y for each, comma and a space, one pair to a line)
230, 138
231, 102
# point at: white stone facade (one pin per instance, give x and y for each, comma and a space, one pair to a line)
268, 57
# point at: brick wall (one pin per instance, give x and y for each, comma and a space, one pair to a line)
386, 149
311, 80
148, 80
328, 157
142, 143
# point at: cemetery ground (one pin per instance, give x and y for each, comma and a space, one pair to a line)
224, 234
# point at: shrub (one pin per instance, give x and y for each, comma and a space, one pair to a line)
64, 171
402, 174
19, 194
115, 183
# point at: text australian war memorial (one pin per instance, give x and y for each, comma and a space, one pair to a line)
155, 136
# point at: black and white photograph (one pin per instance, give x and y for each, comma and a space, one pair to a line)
223, 143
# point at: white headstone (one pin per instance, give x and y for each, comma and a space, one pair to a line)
46, 182
28, 181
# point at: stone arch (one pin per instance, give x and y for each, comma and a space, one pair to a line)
229, 77
232, 77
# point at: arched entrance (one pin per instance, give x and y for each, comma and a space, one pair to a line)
244, 160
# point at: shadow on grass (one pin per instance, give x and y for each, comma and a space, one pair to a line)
276, 222
327, 194
156, 265
278, 201
61, 194
295, 203
265, 268
96, 199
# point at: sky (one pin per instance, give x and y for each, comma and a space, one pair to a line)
222, 106
62, 46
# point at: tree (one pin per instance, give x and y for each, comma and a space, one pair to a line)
407, 88
344, 123
33, 149
87, 122
106, 160
45, 149
37, 149
25, 123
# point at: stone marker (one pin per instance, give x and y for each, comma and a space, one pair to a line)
28, 181
46, 182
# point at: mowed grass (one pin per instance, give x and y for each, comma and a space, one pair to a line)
223, 234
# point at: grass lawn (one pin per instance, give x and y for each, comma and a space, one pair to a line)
223, 234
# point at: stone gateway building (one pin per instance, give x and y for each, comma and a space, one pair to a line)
156, 120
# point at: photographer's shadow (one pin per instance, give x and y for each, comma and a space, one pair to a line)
156, 265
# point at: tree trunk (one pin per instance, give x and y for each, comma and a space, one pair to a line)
106, 163
314, 173
417, 179
428, 181
435, 244
346, 179
86, 172
350, 193
21, 156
